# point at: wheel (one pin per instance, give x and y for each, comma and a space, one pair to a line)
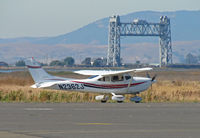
103, 101
136, 99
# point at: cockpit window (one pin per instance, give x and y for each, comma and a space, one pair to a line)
127, 77
93, 76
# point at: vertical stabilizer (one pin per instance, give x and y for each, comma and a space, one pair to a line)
37, 72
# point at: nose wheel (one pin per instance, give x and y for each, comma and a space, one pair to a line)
136, 99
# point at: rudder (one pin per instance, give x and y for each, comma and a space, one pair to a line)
37, 72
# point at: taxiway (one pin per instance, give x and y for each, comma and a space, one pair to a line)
97, 120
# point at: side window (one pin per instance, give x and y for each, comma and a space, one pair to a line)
107, 78
104, 79
128, 77
115, 78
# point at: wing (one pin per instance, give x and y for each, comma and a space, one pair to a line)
110, 73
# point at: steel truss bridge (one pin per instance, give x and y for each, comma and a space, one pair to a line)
139, 28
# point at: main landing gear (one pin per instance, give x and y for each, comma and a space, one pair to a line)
118, 98
136, 99
104, 98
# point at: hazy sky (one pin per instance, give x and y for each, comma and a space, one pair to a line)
19, 18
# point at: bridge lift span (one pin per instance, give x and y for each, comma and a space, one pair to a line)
139, 28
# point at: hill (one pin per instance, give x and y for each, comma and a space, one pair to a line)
91, 40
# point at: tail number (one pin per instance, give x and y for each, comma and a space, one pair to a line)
71, 86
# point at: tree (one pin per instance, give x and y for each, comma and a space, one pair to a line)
87, 61
69, 61
137, 62
20, 63
98, 62
56, 63
198, 58
191, 59
43, 64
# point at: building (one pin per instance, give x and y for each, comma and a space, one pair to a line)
3, 64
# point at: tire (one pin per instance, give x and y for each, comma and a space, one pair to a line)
103, 101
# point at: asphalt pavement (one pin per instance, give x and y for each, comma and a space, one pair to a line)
100, 120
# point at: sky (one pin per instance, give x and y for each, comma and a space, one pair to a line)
36, 18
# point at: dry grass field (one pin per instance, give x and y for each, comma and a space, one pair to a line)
171, 86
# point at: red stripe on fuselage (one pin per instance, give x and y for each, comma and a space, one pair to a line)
34, 67
110, 85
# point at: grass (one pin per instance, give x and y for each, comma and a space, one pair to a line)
26, 94
171, 86
173, 91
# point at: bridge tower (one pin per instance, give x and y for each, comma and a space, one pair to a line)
113, 58
165, 43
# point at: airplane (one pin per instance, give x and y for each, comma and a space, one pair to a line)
105, 82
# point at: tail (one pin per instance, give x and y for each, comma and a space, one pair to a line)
37, 72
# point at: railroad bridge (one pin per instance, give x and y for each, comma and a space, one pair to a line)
139, 28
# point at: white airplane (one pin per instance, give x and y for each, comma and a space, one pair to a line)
106, 82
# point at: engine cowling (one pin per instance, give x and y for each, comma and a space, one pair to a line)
101, 98
118, 98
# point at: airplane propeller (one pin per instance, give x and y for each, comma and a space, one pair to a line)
153, 78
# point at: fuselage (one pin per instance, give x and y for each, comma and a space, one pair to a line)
97, 84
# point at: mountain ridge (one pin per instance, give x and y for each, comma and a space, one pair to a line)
92, 39
97, 31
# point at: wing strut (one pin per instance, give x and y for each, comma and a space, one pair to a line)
130, 83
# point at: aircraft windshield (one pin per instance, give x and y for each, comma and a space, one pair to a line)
127, 77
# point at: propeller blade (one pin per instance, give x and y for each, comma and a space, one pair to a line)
154, 77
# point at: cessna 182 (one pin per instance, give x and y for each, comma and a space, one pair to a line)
107, 82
